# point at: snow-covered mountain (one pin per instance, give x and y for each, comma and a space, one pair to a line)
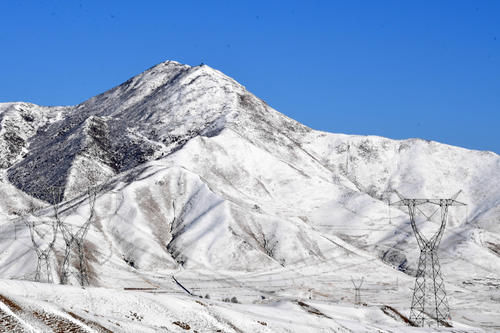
205, 181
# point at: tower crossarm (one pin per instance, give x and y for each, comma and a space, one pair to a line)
418, 202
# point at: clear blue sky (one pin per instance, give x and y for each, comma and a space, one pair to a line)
399, 69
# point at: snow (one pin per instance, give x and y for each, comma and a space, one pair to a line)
96, 309
207, 183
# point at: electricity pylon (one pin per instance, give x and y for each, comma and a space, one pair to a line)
43, 236
75, 240
429, 294
357, 288
43, 253
79, 239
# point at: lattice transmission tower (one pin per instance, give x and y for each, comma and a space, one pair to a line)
357, 290
43, 245
74, 236
429, 293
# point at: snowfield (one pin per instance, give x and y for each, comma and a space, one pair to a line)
219, 214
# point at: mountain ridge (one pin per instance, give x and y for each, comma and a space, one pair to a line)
202, 175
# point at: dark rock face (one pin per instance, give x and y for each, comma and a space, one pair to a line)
15, 145
397, 259
17, 124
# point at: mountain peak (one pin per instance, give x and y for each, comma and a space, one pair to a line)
147, 117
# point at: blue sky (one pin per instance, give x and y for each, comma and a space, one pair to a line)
428, 69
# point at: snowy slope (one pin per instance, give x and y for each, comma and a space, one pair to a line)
205, 181
102, 310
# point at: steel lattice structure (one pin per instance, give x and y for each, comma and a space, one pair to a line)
357, 289
42, 252
74, 240
429, 293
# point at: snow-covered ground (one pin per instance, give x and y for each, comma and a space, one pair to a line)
206, 183
29, 306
